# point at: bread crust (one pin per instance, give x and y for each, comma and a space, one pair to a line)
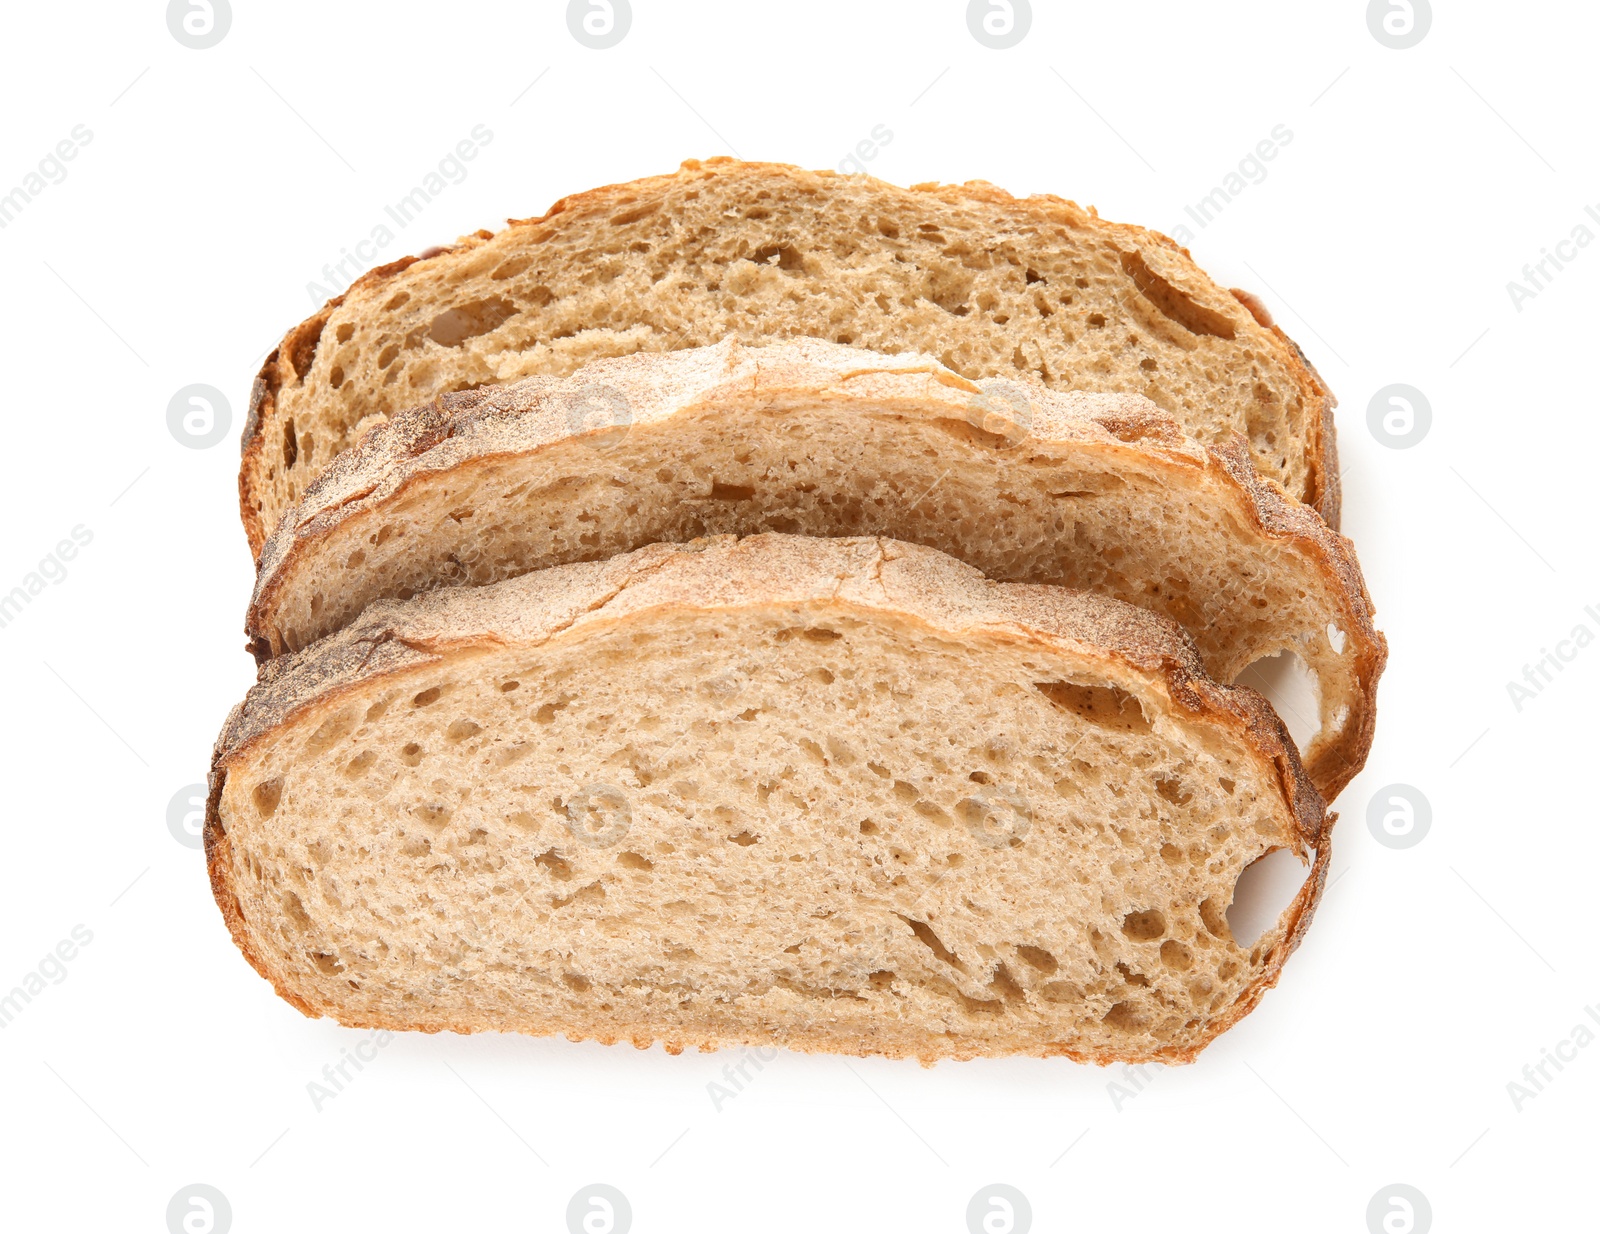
480, 426
1327, 495
279, 368
917, 585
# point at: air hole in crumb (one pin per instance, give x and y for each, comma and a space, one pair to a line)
1131, 977
633, 861
460, 730
1037, 957
434, 813
1005, 985
266, 795
547, 713
558, 867
411, 754
507, 686
1124, 1016
1107, 706
1292, 689
868, 827
930, 940
1176, 956
1265, 888
294, 910
1173, 790
456, 325
511, 267
933, 812
783, 256
1144, 925
424, 697
1173, 303
744, 839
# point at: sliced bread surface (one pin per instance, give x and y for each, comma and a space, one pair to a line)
993, 285
1091, 491
843, 795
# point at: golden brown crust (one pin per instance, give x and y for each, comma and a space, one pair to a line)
1326, 493
1278, 515
252, 444
1323, 489
917, 585
219, 867
269, 380
480, 426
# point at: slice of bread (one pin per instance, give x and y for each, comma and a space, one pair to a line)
1093, 491
991, 284
842, 795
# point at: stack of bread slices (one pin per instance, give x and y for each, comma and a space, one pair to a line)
752, 605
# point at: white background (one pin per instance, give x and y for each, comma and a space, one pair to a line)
178, 249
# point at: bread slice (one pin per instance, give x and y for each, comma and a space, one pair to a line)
842, 795
1093, 491
991, 284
